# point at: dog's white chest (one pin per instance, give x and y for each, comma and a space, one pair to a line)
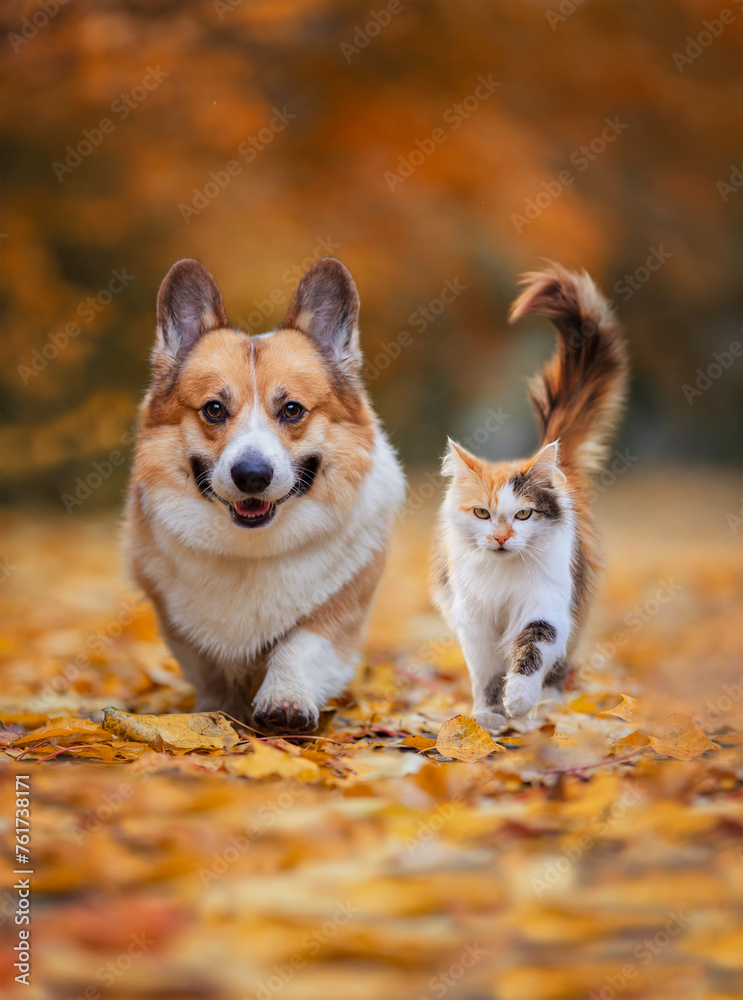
232, 609
233, 606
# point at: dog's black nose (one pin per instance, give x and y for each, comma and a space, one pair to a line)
252, 474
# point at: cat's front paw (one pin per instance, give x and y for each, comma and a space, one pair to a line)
492, 721
286, 717
520, 693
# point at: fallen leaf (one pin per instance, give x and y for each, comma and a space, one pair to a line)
562, 740
585, 704
634, 741
462, 739
418, 742
265, 761
679, 737
63, 731
626, 710
28, 720
179, 733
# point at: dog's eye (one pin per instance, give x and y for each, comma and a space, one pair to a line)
523, 515
213, 410
292, 410
481, 512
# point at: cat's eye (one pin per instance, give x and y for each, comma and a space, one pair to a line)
523, 515
481, 512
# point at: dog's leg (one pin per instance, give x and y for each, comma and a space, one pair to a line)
318, 658
213, 690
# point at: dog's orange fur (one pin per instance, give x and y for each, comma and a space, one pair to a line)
253, 377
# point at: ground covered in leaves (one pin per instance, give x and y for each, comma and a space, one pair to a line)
594, 850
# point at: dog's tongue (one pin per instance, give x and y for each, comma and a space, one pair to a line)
252, 508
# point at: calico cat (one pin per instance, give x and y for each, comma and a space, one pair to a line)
517, 550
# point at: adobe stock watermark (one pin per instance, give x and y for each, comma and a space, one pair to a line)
7, 569
86, 311
248, 150
735, 521
455, 116
364, 34
96, 644
555, 869
420, 320
93, 819
494, 420
712, 28
256, 319
310, 946
34, 23
101, 471
635, 620
440, 984
122, 107
723, 361
581, 158
107, 975
714, 711
427, 829
558, 15
734, 183
426, 657
621, 462
223, 7
631, 283
265, 818
650, 948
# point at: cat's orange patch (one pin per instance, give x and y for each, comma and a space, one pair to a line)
481, 483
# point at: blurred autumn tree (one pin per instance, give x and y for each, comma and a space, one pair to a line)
258, 134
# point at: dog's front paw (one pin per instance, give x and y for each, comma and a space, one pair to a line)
286, 717
493, 721
521, 693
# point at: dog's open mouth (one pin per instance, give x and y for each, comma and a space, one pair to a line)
253, 512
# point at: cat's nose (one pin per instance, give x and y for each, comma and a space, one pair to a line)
501, 539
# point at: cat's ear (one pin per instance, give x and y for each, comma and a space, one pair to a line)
458, 463
325, 306
546, 466
189, 304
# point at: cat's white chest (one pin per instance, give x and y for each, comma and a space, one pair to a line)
506, 593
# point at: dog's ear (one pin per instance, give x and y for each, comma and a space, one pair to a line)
325, 306
189, 304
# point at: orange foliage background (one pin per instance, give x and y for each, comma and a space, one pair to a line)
356, 100
611, 819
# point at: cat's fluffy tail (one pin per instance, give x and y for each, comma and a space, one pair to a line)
579, 394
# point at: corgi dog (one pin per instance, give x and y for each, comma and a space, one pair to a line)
262, 497
517, 551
